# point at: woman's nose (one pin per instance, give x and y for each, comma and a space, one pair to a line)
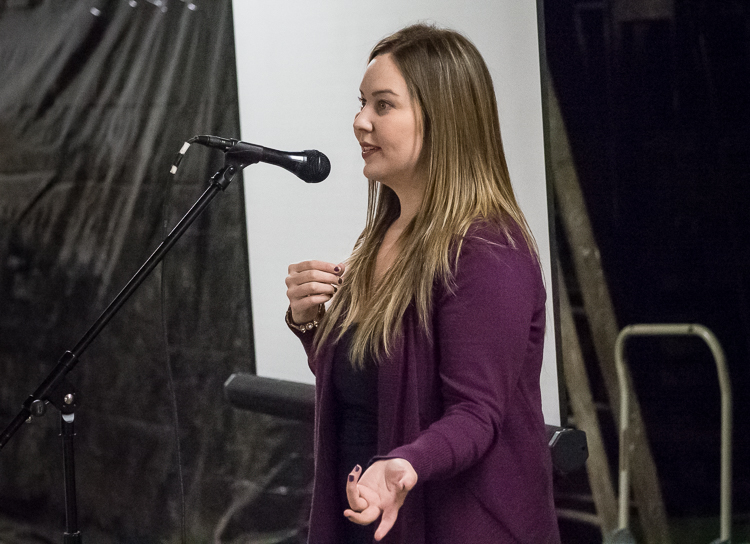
362, 121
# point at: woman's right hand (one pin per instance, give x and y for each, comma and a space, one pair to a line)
309, 284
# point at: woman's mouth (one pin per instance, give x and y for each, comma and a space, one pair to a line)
368, 150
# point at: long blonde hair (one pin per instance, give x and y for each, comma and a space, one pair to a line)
467, 180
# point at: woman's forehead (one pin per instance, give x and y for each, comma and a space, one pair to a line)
382, 76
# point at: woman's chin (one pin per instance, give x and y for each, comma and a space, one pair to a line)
371, 173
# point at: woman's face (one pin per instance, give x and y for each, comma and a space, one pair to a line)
388, 127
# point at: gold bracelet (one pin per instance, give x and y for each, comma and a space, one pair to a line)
310, 325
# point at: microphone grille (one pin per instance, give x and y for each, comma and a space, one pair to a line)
316, 167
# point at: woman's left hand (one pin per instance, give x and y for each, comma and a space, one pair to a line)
382, 488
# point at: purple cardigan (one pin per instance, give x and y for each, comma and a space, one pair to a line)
463, 408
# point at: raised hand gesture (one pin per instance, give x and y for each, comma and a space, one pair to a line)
310, 284
381, 489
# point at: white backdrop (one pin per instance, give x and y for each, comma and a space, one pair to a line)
299, 66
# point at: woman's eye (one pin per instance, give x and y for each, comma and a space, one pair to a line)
362, 102
383, 106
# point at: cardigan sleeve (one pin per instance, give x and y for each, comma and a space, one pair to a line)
307, 339
482, 329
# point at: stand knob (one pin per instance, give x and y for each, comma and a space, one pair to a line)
38, 408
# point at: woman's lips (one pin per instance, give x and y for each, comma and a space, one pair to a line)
368, 150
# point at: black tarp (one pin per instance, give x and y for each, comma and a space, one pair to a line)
96, 97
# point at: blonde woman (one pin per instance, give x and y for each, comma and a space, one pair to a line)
428, 425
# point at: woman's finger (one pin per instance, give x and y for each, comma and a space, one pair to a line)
370, 513
308, 276
367, 516
310, 288
323, 266
386, 524
356, 502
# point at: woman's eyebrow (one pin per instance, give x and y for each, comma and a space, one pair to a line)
384, 91
379, 92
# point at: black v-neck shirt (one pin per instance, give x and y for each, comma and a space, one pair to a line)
356, 393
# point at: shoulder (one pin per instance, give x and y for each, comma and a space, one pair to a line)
492, 244
493, 260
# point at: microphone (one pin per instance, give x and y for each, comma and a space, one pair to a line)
310, 165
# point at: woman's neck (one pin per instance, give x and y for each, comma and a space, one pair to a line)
390, 246
410, 197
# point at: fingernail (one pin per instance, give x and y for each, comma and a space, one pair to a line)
357, 469
336, 269
341, 281
351, 477
335, 289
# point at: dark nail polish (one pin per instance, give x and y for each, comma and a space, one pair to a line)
335, 289
351, 477
336, 269
341, 281
357, 468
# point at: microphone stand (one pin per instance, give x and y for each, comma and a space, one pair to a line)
56, 390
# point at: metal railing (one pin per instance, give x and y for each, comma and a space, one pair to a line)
726, 415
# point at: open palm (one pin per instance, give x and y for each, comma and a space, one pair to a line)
381, 489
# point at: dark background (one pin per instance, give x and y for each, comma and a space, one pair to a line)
657, 112
93, 107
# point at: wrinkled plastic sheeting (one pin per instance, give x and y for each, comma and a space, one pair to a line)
95, 100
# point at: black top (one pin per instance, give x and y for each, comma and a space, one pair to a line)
356, 393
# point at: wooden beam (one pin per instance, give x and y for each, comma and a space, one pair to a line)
586, 418
602, 320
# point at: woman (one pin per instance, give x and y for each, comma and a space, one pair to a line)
427, 360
